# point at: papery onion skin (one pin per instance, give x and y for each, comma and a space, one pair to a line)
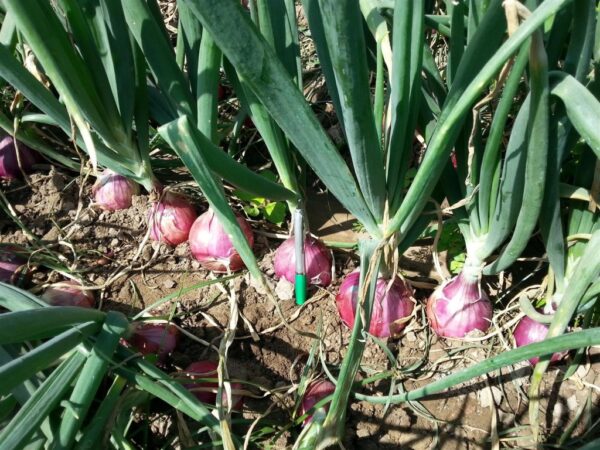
9, 164
317, 259
316, 391
391, 308
113, 191
206, 391
211, 246
68, 293
154, 338
458, 307
529, 331
171, 219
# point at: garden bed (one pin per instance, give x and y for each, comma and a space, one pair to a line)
271, 356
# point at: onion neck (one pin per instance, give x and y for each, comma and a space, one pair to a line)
388, 259
472, 269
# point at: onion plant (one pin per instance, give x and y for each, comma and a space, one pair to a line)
115, 71
86, 53
496, 204
183, 103
502, 193
573, 286
374, 194
505, 192
27, 135
53, 361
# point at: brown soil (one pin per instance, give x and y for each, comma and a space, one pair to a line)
100, 245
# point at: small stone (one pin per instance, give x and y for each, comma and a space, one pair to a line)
169, 284
51, 235
362, 432
124, 292
147, 253
572, 403
475, 333
557, 414
485, 397
411, 336
181, 250
195, 265
284, 289
582, 371
114, 243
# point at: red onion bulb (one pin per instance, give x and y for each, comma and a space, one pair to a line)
529, 331
317, 261
391, 308
458, 307
13, 269
10, 272
154, 338
171, 219
9, 164
206, 391
211, 245
113, 191
68, 293
316, 391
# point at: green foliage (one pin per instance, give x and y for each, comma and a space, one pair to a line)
62, 376
115, 75
451, 241
257, 206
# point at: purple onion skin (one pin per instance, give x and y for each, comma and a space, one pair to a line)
14, 273
13, 269
458, 307
316, 391
206, 391
9, 164
113, 191
68, 293
390, 309
529, 331
154, 338
7, 271
317, 260
171, 219
211, 245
